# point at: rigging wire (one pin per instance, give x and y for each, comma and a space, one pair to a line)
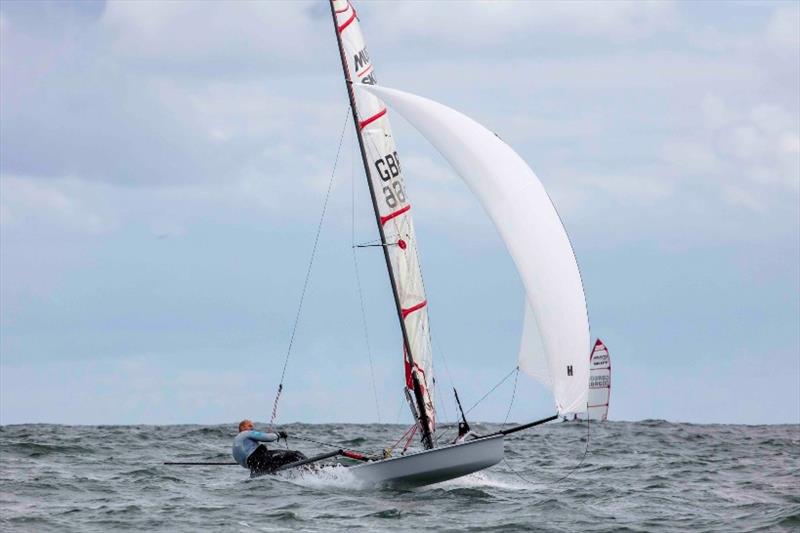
408, 433
515, 369
513, 395
330, 444
358, 277
565, 476
568, 474
308, 273
399, 411
440, 400
446, 366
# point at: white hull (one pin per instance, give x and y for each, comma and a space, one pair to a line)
433, 466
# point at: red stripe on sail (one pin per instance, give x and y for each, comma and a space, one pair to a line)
397, 213
406, 312
367, 69
343, 10
364, 123
347, 22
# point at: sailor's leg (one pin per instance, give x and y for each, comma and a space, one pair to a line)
278, 458
259, 461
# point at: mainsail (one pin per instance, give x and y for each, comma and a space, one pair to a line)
599, 381
528, 223
392, 211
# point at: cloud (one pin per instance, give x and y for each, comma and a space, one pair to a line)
751, 154
65, 204
783, 29
96, 98
210, 129
481, 24
135, 390
238, 39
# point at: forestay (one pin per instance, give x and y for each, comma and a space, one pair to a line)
528, 223
392, 204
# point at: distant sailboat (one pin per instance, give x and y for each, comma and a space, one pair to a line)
599, 386
525, 218
599, 382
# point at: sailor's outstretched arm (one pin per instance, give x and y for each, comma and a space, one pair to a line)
263, 437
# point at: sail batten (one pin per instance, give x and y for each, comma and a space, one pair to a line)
531, 229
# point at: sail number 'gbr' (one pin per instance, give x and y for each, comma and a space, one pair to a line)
388, 168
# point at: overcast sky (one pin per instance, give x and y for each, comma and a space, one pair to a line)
163, 167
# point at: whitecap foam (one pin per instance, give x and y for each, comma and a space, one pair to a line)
478, 480
340, 477
323, 477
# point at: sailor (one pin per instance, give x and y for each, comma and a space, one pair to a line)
250, 452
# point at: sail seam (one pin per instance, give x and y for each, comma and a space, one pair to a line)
343, 10
395, 214
366, 122
308, 275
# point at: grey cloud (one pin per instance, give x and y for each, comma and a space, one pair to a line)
98, 101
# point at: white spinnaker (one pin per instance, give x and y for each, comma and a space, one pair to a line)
530, 227
393, 205
532, 359
599, 381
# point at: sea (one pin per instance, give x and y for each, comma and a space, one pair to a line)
563, 476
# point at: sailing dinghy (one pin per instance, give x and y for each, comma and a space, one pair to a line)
525, 218
530, 227
599, 383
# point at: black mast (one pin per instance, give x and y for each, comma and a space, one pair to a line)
427, 439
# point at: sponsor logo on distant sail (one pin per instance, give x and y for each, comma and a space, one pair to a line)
599, 382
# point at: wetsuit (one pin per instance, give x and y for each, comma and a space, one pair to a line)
250, 453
